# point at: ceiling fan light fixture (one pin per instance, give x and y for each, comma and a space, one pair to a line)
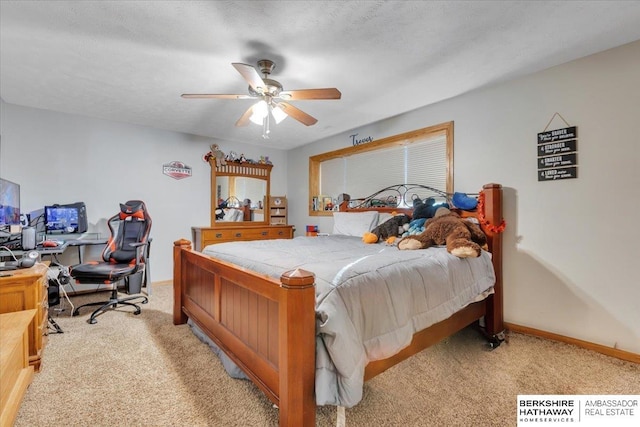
269, 92
278, 114
260, 111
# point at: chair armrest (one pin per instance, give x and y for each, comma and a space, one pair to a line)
139, 246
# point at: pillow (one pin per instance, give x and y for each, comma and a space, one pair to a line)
354, 223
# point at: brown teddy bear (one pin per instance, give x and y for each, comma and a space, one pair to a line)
463, 238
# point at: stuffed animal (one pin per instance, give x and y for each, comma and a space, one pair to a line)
425, 208
463, 238
217, 154
388, 230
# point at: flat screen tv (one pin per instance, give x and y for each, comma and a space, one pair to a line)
65, 219
9, 203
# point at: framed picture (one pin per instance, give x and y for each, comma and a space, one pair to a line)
327, 203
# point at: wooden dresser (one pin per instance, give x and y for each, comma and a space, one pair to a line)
26, 289
241, 185
203, 236
15, 371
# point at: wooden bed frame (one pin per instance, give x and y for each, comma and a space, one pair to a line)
267, 327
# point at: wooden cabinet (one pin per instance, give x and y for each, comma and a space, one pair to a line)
277, 210
203, 236
15, 371
26, 289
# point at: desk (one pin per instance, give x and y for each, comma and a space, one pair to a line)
79, 243
58, 250
52, 252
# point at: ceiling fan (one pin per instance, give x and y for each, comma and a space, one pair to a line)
272, 98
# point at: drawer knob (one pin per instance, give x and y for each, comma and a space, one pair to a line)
264, 233
218, 235
238, 234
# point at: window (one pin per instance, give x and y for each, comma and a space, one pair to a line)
424, 156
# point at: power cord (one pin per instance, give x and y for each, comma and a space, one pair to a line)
10, 252
55, 276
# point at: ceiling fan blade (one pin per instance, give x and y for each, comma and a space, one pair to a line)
297, 114
251, 75
326, 93
214, 96
244, 119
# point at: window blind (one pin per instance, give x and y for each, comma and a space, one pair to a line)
360, 175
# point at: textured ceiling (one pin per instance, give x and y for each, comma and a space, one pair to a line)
129, 61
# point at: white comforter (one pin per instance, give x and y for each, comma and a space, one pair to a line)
370, 299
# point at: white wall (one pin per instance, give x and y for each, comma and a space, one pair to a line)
571, 247
64, 158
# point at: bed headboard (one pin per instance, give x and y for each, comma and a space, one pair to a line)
488, 213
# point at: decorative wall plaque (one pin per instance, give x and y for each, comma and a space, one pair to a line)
558, 153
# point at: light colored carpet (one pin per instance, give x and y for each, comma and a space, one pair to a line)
142, 370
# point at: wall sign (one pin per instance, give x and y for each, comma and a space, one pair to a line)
176, 170
558, 153
357, 141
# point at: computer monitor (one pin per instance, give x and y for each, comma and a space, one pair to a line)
9, 203
65, 219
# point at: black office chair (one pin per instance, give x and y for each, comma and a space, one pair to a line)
126, 258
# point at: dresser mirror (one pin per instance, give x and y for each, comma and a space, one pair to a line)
242, 188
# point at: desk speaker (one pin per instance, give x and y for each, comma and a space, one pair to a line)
28, 238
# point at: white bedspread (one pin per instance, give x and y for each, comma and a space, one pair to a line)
370, 299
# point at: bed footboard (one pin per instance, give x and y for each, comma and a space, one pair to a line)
267, 327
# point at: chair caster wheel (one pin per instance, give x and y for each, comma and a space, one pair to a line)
75, 313
92, 321
136, 313
145, 301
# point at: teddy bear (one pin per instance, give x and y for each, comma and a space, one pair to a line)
218, 154
388, 230
463, 238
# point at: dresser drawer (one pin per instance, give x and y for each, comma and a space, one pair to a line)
220, 235
280, 233
207, 236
